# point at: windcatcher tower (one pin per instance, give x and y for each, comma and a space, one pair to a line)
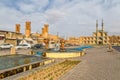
27, 29
17, 26
46, 27
45, 30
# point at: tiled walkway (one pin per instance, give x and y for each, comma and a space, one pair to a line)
97, 64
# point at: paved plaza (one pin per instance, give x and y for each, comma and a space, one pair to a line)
97, 64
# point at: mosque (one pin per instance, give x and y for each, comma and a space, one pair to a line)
99, 37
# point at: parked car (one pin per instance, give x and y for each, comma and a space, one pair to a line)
68, 45
37, 46
6, 46
23, 46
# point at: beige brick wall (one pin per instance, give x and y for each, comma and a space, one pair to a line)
64, 54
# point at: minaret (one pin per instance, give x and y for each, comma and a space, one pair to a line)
96, 26
96, 31
102, 32
102, 25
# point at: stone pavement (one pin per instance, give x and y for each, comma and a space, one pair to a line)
97, 64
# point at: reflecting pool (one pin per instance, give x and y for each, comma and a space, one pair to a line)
10, 61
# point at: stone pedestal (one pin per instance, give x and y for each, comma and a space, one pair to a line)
13, 51
30, 67
24, 69
110, 48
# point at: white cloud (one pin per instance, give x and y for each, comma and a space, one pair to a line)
26, 8
53, 16
68, 17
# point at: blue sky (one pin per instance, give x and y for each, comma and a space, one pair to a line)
67, 17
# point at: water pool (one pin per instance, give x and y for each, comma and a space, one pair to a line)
79, 48
69, 50
10, 61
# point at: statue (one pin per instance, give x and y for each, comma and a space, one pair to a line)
46, 41
57, 47
62, 45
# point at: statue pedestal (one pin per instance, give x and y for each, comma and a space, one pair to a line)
110, 49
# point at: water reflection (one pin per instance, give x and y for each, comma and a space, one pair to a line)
16, 60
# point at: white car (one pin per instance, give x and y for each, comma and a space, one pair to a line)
6, 46
23, 46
